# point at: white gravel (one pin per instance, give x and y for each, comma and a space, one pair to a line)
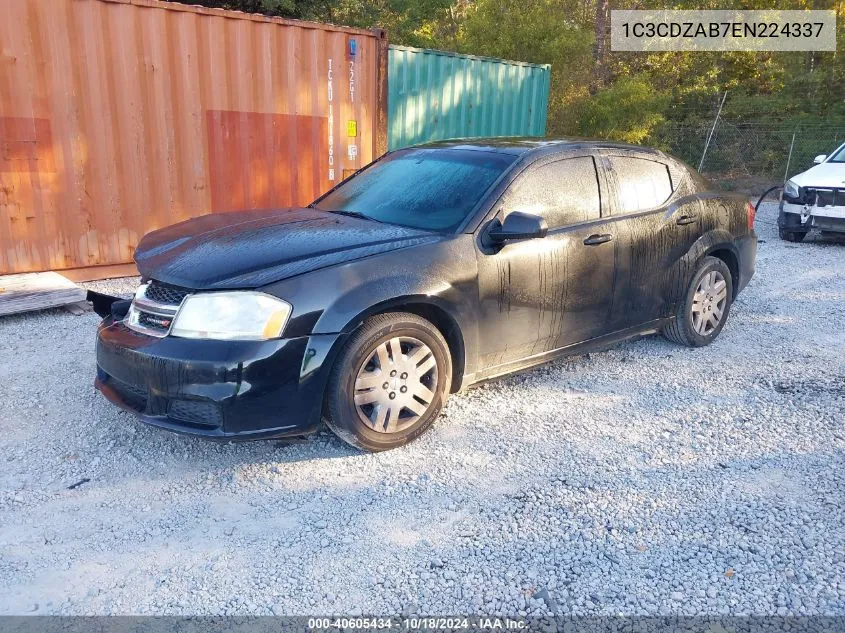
649, 479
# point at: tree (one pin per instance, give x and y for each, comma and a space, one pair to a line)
283, 8
600, 48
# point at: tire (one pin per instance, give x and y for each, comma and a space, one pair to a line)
376, 410
791, 236
693, 324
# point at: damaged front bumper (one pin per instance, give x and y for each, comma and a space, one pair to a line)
227, 390
822, 209
107, 305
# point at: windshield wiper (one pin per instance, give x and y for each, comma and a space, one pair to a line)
354, 214
351, 214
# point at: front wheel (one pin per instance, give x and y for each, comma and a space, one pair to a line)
389, 383
706, 305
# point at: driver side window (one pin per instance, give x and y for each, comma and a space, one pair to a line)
563, 192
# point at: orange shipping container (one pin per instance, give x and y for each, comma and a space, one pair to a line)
118, 117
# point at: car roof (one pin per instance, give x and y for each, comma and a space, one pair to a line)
519, 145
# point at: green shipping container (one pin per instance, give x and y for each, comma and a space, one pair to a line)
434, 95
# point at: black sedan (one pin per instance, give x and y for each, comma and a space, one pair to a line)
433, 268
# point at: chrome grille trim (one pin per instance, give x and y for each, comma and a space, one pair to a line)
142, 305
161, 309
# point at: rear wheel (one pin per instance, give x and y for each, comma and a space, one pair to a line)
706, 305
389, 383
792, 236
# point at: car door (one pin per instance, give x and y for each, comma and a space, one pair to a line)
654, 231
541, 294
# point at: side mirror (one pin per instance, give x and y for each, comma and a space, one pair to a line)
819, 159
518, 226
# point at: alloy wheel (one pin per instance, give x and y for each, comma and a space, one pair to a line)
709, 302
395, 384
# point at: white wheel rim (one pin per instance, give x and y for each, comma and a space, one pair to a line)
708, 303
396, 384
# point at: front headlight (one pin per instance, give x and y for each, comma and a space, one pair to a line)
791, 189
240, 315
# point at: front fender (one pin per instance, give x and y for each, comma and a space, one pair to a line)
338, 299
356, 308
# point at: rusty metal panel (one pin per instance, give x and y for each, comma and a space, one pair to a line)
437, 95
118, 117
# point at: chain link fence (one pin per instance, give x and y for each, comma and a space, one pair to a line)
749, 155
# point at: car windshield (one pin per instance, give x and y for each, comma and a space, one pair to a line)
838, 156
431, 189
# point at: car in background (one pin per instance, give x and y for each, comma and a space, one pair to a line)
814, 199
434, 268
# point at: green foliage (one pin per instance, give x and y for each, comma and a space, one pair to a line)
539, 31
536, 31
280, 8
629, 111
423, 23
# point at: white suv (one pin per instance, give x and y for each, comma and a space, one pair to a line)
815, 199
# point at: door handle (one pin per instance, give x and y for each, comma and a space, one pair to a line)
598, 238
686, 219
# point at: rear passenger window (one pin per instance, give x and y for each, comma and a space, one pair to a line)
563, 192
642, 183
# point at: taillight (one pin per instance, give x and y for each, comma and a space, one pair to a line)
750, 213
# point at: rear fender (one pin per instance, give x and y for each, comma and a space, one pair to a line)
714, 240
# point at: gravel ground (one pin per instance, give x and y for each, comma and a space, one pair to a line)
649, 479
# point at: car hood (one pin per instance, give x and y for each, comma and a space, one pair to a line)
248, 249
824, 175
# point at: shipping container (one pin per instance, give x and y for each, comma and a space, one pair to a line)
118, 117
436, 95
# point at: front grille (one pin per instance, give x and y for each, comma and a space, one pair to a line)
826, 197
196, 413
152, 313
165, 293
